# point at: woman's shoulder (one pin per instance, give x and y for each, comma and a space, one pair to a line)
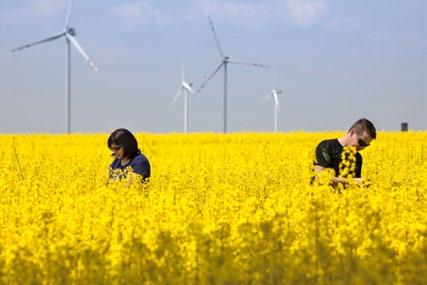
141, 165
139, 158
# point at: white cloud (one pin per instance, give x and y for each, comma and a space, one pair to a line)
140, 12
33, 10
10, 17
306, 12
239, 13
250, 13
48, 8
339, 22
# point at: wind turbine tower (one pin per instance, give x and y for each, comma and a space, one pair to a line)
69, 34
183, 91
275, 94
225, 60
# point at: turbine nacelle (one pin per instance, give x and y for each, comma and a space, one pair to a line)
187, 86
71, 31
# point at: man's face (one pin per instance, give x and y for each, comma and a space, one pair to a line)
360, 141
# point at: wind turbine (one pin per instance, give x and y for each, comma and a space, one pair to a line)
225, 60
275, 94
68, 33
184, 90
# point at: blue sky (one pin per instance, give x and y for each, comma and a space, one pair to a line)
336, 61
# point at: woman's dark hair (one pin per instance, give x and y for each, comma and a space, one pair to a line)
125, 139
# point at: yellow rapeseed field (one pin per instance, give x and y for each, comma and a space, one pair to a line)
219, 209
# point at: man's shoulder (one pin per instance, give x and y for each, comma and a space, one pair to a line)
330, 143
328, 152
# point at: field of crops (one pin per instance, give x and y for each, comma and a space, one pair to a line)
219, 209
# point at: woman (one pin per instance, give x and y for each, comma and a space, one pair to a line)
124, 146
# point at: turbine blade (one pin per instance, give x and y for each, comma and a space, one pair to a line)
268, 96
216, 38
82, 52
276, 100
39, 42
249, 63
182, 73
275, 81
209, 78
67, 19
175, 98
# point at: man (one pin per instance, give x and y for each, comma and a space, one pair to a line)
328, 152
